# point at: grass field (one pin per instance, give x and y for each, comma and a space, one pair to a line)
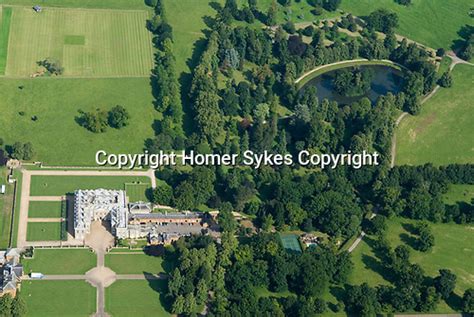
134, 263
56, 137
97, 4
459, 193
139, 298
187, 19
43, 231
5, 19
6, 201
60, 185
442, 132
453, 250
19, 177
59, 298
60, 261
44, 209
435, 23
112, 43
136, 192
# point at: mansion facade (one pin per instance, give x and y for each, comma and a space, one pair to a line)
130, 220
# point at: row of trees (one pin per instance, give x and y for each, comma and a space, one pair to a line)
166, 88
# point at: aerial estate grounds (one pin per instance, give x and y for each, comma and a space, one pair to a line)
442, 132
125, 76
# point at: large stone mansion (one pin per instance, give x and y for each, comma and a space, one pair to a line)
130, 220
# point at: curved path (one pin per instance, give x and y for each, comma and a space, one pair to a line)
358, 61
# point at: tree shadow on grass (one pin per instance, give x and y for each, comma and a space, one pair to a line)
375, 265
409, 228
409, 240
339, 293
160, 286
454, 302
377, 252
154, 250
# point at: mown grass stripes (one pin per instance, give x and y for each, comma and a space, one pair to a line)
6, 15
108, 43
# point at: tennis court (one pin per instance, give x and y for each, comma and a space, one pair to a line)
290, 242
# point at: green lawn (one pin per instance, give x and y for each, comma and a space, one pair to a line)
59, 298
60, 185
187, 19
264, 292
453, 250
60, 261
432, 22
97, 4
459, 193
56, 103
44, 209
43, 231
5, 19
136, 298
113, 43
444, 65
19, 177
442, 132
137, 192
6, 201
134, 263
